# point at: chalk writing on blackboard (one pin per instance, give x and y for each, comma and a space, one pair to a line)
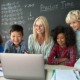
61, 5
11, 14
30, 16
24, 12
65, 4
5, 33
29, 5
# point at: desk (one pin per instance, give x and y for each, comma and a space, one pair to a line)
51, 67
49, 70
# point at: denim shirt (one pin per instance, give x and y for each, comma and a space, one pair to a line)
10, 47
1, 48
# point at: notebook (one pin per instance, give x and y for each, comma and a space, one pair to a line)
59, 74
23, 66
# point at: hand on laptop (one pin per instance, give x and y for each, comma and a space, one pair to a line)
27, 52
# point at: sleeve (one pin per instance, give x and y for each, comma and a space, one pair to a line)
48, 49
24, 47
7, 47
51, 58
1, 48
30, 44
72, 59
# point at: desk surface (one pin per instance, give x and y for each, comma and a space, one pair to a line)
51, 67
49, 70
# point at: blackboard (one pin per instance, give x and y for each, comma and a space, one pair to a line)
24, 12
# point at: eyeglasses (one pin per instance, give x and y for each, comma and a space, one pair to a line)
38, 25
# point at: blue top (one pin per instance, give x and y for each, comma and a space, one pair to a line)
78, 43
1, 48
10, 47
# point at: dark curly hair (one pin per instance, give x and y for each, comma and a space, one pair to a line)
67, 31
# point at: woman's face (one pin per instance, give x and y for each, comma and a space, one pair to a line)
75, 25
61, 39
39, 28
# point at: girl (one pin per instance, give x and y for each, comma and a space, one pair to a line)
64, 50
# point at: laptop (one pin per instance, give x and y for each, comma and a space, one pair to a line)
23, 66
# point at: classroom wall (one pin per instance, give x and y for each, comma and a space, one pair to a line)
24, 12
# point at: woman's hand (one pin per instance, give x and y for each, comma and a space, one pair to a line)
27, 52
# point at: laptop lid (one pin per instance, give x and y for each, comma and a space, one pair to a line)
23, 66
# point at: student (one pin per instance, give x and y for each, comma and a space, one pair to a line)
1, 47
16, 43
64, 50
73, 19
40, 42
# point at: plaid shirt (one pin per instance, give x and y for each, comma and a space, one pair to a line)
67, 52
10, 48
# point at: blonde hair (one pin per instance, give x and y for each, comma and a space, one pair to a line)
73, 15
46, 26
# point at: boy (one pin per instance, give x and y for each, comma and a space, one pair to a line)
16, 43
73, 19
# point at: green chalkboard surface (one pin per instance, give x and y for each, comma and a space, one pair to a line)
24, 12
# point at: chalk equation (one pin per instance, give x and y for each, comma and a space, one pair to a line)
11, 13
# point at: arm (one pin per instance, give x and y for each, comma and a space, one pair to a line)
23, 47
72, 58
1, 48
51, 58
7, 47
62, 60
48, 49
30, 43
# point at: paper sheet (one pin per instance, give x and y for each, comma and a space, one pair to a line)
65, 75
1, 72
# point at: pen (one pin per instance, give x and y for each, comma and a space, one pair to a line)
1, 70
76, 75
53, 72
